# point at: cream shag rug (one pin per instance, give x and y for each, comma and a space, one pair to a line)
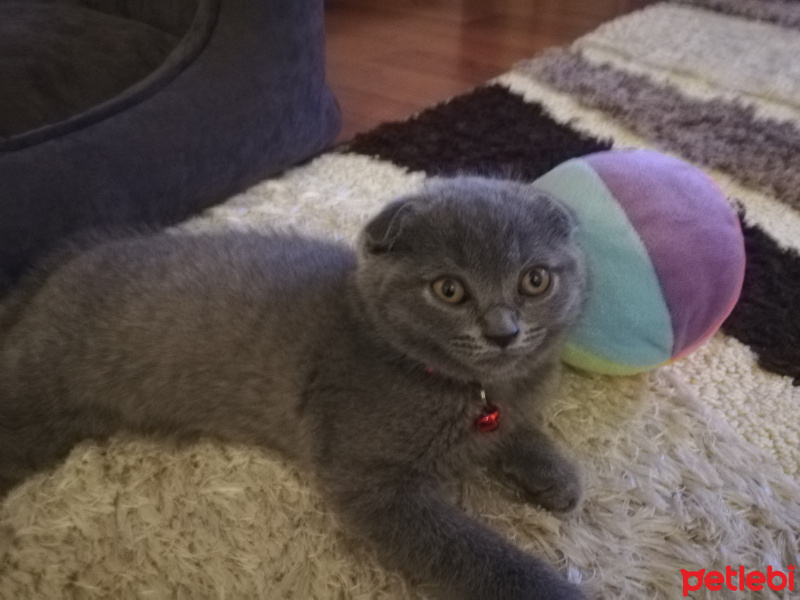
693, 466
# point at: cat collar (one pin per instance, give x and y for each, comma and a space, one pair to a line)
489, 417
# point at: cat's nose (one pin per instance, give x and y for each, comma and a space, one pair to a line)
500, 325
503, 340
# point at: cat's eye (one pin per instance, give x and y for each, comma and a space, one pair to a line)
535, 282
450, 290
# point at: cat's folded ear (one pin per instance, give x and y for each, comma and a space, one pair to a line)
560, 219
383, 233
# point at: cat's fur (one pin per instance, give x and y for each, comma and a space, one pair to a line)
345, 360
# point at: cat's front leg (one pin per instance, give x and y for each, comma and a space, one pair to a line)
416, 530
532, 462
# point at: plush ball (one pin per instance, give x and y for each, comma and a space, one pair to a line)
665, 253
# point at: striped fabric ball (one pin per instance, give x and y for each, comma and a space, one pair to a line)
665, 253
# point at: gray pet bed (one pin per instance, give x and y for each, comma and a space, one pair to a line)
117, 113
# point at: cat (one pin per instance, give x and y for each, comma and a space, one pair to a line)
390, 370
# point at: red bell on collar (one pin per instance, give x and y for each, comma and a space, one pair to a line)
488, 420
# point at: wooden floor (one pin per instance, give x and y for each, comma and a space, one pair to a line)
388, 59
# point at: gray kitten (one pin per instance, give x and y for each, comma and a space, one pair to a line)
390, 371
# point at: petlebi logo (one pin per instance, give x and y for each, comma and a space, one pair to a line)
739, 579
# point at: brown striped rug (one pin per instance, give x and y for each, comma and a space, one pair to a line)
693, 466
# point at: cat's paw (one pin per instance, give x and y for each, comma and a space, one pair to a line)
569, 592
554, 484
546, 585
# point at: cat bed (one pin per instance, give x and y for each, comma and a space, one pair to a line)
141, 112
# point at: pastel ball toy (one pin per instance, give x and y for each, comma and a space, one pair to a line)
665, 255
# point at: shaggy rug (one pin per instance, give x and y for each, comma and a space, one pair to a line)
693, 466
